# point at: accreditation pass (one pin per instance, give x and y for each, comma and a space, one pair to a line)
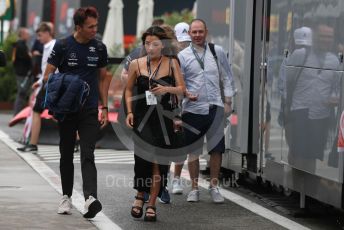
151, 98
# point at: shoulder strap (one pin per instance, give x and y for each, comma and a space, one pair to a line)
293, 86
170, 68
138, 65
212, 50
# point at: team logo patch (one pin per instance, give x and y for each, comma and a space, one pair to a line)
92, 49
73, 55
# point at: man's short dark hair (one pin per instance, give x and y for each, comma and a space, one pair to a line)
199, 20
44, 27
83, 13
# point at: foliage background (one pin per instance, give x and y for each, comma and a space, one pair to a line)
7, 76
170, 19
175, 17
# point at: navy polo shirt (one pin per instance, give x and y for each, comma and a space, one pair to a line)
83, 60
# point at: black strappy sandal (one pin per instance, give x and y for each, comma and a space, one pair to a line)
139, 208
150, 218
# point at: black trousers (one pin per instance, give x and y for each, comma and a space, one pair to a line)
87, 124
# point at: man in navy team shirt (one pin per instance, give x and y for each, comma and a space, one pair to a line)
81, 54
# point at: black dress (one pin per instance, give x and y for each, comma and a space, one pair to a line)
153, 133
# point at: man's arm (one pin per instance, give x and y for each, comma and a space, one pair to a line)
226, 75
14, 53
48, 70
227, 80
104, 83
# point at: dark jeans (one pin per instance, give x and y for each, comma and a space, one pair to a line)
87, 124
23, 90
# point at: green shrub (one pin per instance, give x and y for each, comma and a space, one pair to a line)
7, 88
7, 76
175, 17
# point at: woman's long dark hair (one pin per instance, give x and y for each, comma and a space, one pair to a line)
169, 49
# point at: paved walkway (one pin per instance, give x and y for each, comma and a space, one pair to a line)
27, 201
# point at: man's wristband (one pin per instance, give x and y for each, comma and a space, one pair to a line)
105, 107
129, 113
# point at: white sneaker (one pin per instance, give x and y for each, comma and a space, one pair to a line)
177, 187
216, 195
193, 196
65, 205
92, 207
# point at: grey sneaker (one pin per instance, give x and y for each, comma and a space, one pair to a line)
216, 195
92, 207
28, 148
65, 205
177, 186
193, 196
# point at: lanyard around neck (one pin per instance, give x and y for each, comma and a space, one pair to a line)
151, 75
155, 72
198, 58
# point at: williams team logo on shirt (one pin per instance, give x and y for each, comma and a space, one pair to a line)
92, 49
72, 60
73, 55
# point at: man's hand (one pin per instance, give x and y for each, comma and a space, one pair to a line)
36, 53
228, 107
36, 85
104, 118
228, 110
191, 95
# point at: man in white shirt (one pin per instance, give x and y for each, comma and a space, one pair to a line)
204, 107
45, 36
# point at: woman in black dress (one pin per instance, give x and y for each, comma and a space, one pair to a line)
158, 78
